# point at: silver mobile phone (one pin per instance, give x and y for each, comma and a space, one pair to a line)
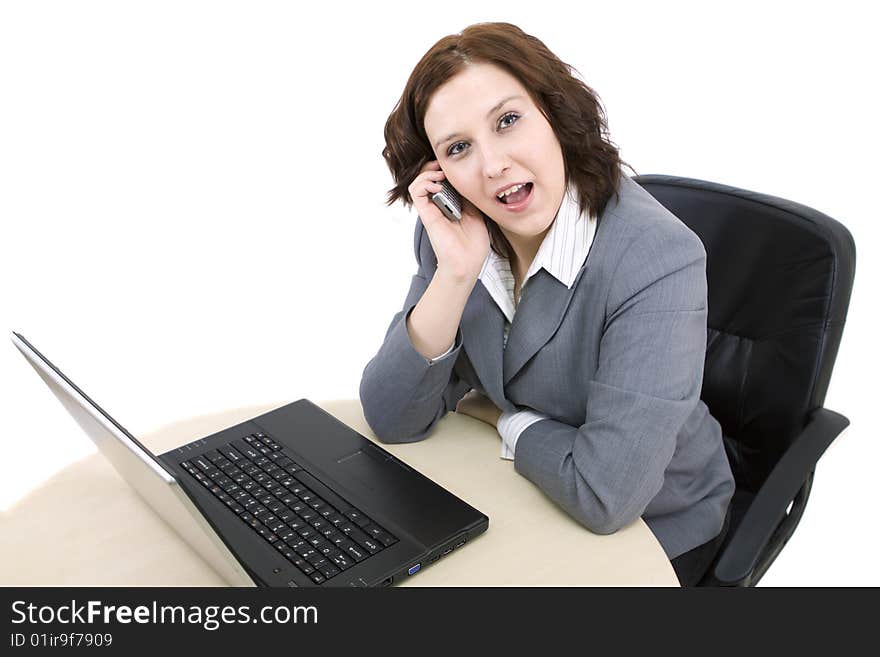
448, 200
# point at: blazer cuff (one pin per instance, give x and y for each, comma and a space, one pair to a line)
511, 424
409, 372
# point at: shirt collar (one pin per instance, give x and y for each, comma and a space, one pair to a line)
562, 252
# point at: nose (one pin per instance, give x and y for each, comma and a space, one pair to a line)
495, 164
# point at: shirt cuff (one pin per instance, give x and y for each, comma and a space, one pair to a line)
511, 424
431, 361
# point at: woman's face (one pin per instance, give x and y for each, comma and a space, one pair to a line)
483, 147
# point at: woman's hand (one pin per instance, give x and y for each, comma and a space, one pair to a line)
461, 247
479, 406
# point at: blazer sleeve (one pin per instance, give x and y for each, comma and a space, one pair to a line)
606, 471
404, 394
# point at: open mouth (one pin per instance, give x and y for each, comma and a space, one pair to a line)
516, 197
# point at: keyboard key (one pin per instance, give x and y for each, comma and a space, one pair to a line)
341, 541
335, 519
296, 524
231, 454
322, 545
229, 468
317, 577
362, 522
359, 537
203, 464
373, 530
354, 515
386, 539
318, 562
356, 551
371, 545
342, 562
303, 565
328, 570
246, 450
347, 528
307, 532
308, 514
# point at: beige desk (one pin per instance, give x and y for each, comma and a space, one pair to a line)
85, 526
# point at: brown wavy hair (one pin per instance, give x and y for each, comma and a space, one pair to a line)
572, 109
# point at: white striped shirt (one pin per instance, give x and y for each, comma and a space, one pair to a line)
562, 254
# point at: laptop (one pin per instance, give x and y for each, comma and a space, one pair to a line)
292, 497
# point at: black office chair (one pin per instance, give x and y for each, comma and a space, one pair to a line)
780, 276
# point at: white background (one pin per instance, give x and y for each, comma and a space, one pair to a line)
177, 180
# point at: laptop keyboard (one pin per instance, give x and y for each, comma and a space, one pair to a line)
313, 527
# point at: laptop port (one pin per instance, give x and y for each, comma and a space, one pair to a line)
458, 545
414, 569
387, 581
446, 551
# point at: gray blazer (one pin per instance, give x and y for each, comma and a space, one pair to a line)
616, 362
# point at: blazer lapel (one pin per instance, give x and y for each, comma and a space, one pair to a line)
482, 334
538, 315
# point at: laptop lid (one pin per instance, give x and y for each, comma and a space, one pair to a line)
153, 481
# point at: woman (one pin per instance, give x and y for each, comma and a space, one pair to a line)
569, 313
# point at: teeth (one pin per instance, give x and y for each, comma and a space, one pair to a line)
511, 190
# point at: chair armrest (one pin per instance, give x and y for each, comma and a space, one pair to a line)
741, 554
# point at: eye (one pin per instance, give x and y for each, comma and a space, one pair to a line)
513, 114
500, 121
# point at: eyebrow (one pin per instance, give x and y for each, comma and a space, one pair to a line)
488, 114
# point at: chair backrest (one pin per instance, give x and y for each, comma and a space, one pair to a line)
779, 277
